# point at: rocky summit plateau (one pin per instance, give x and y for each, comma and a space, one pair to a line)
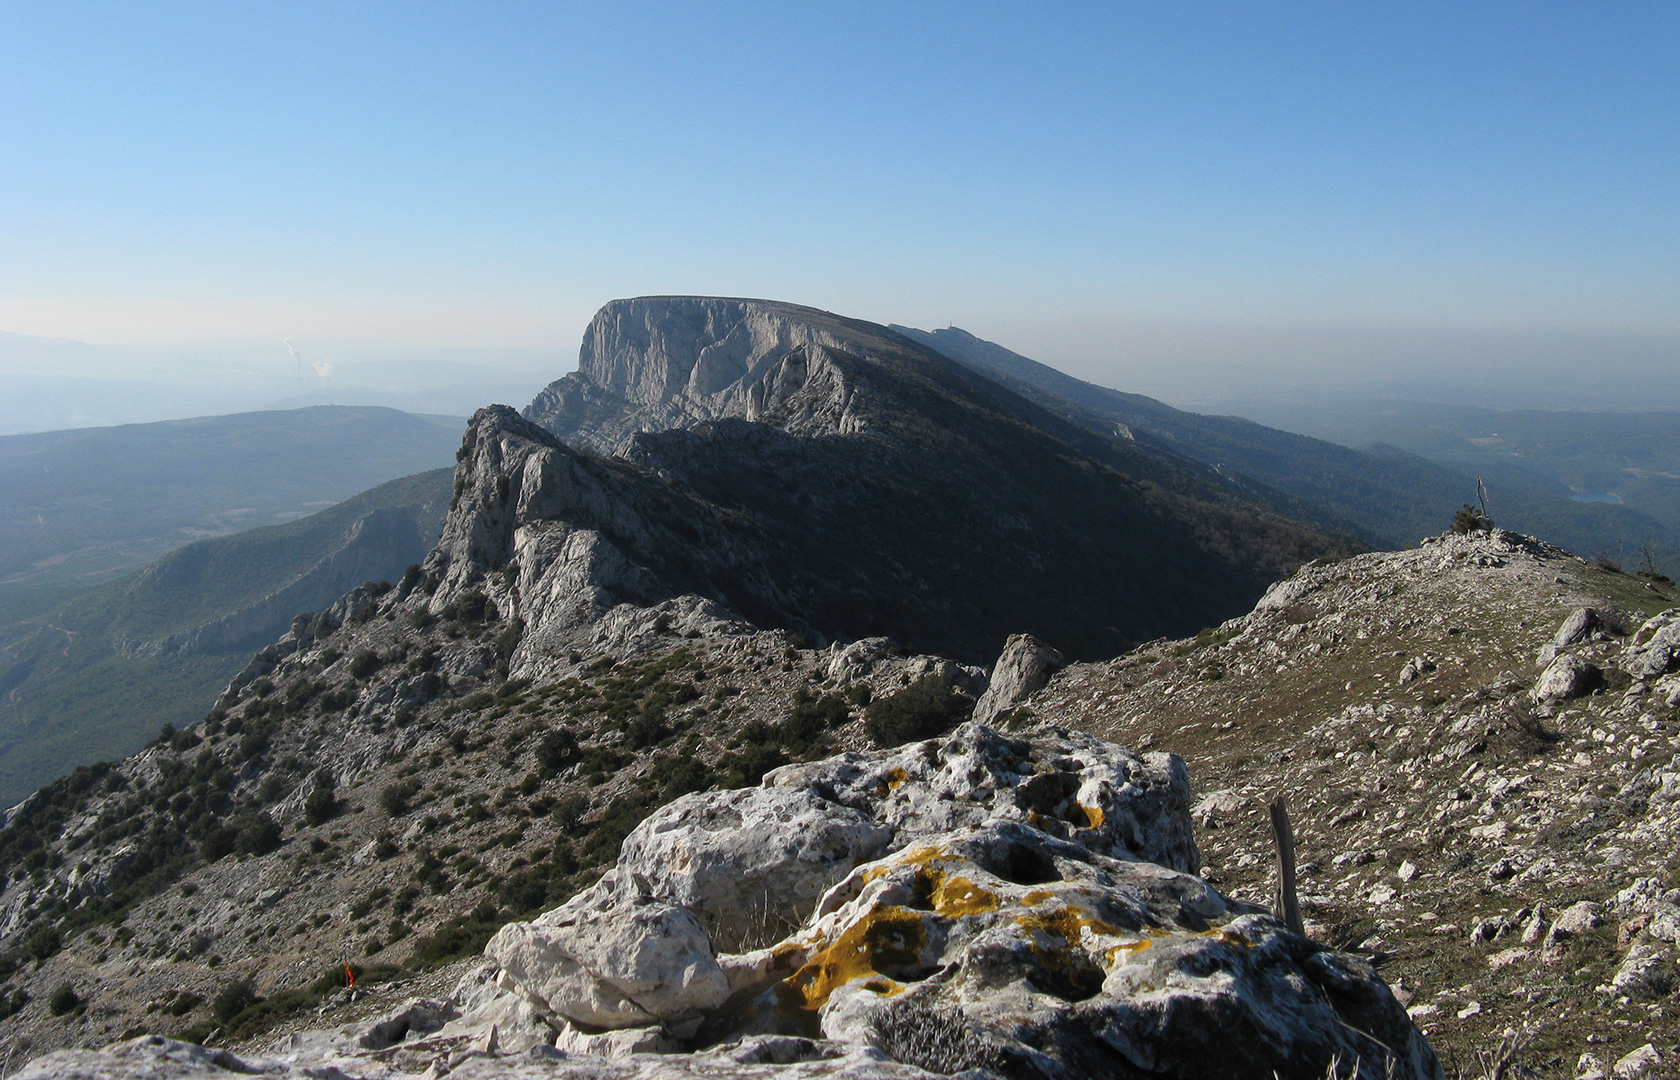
784, 699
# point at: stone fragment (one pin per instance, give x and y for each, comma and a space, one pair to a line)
1216, 808
1578, 918
1576, 628
1647, 973
1655, 647
856, 659
1638, 1064
617, 1043
1589, 1067
417, 1016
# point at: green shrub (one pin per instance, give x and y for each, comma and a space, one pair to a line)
394, 799
508, 639
460, 937
754, 760
43, 944
218, 843
809, 719
233, 999
258, 834
922, 710
63, 1000
557, 750
322, 804
1469, 519
12, 1001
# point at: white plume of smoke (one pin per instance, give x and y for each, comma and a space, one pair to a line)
296, 356
322, 370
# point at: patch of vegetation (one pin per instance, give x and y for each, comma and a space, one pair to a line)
243, 1014
462, 936
321, 806
1470, 519
924, 709
394, 799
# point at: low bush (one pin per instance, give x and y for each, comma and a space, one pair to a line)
394, 799
63, 1000
322, 804
1470, 519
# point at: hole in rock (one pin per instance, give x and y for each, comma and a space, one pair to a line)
1024, 865
1071, 976
1052, 795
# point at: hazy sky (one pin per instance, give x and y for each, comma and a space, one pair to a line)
489, 174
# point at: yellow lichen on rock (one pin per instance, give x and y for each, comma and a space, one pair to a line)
886, 939
1067, 922
955, 897
1126, 950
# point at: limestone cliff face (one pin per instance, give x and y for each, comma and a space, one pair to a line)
562, 540
868, 486
661, 362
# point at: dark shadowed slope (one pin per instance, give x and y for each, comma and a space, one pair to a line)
1390, 497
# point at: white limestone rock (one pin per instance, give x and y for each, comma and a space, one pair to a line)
1646, 1061
1655, 647
746, 860
1567, 676
612, 961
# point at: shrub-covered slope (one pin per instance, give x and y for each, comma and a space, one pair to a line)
1477, 740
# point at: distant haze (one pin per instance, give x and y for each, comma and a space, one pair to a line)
1278, 375
1286, 377
46, 385
1209, 202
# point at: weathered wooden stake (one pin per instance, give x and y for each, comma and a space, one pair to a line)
1287, 907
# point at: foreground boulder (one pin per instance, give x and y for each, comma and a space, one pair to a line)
976, 904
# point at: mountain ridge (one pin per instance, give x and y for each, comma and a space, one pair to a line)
1388, 499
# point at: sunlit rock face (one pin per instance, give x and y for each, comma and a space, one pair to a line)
1020, 907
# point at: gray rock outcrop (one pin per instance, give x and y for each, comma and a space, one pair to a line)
1655, 647
975, 904
1023, 667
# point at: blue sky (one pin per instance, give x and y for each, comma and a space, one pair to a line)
488, 175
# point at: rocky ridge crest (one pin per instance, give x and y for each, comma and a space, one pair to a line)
1477, 740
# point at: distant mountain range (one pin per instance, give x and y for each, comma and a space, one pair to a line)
100, 674
94, 656
846, 480
81, 506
